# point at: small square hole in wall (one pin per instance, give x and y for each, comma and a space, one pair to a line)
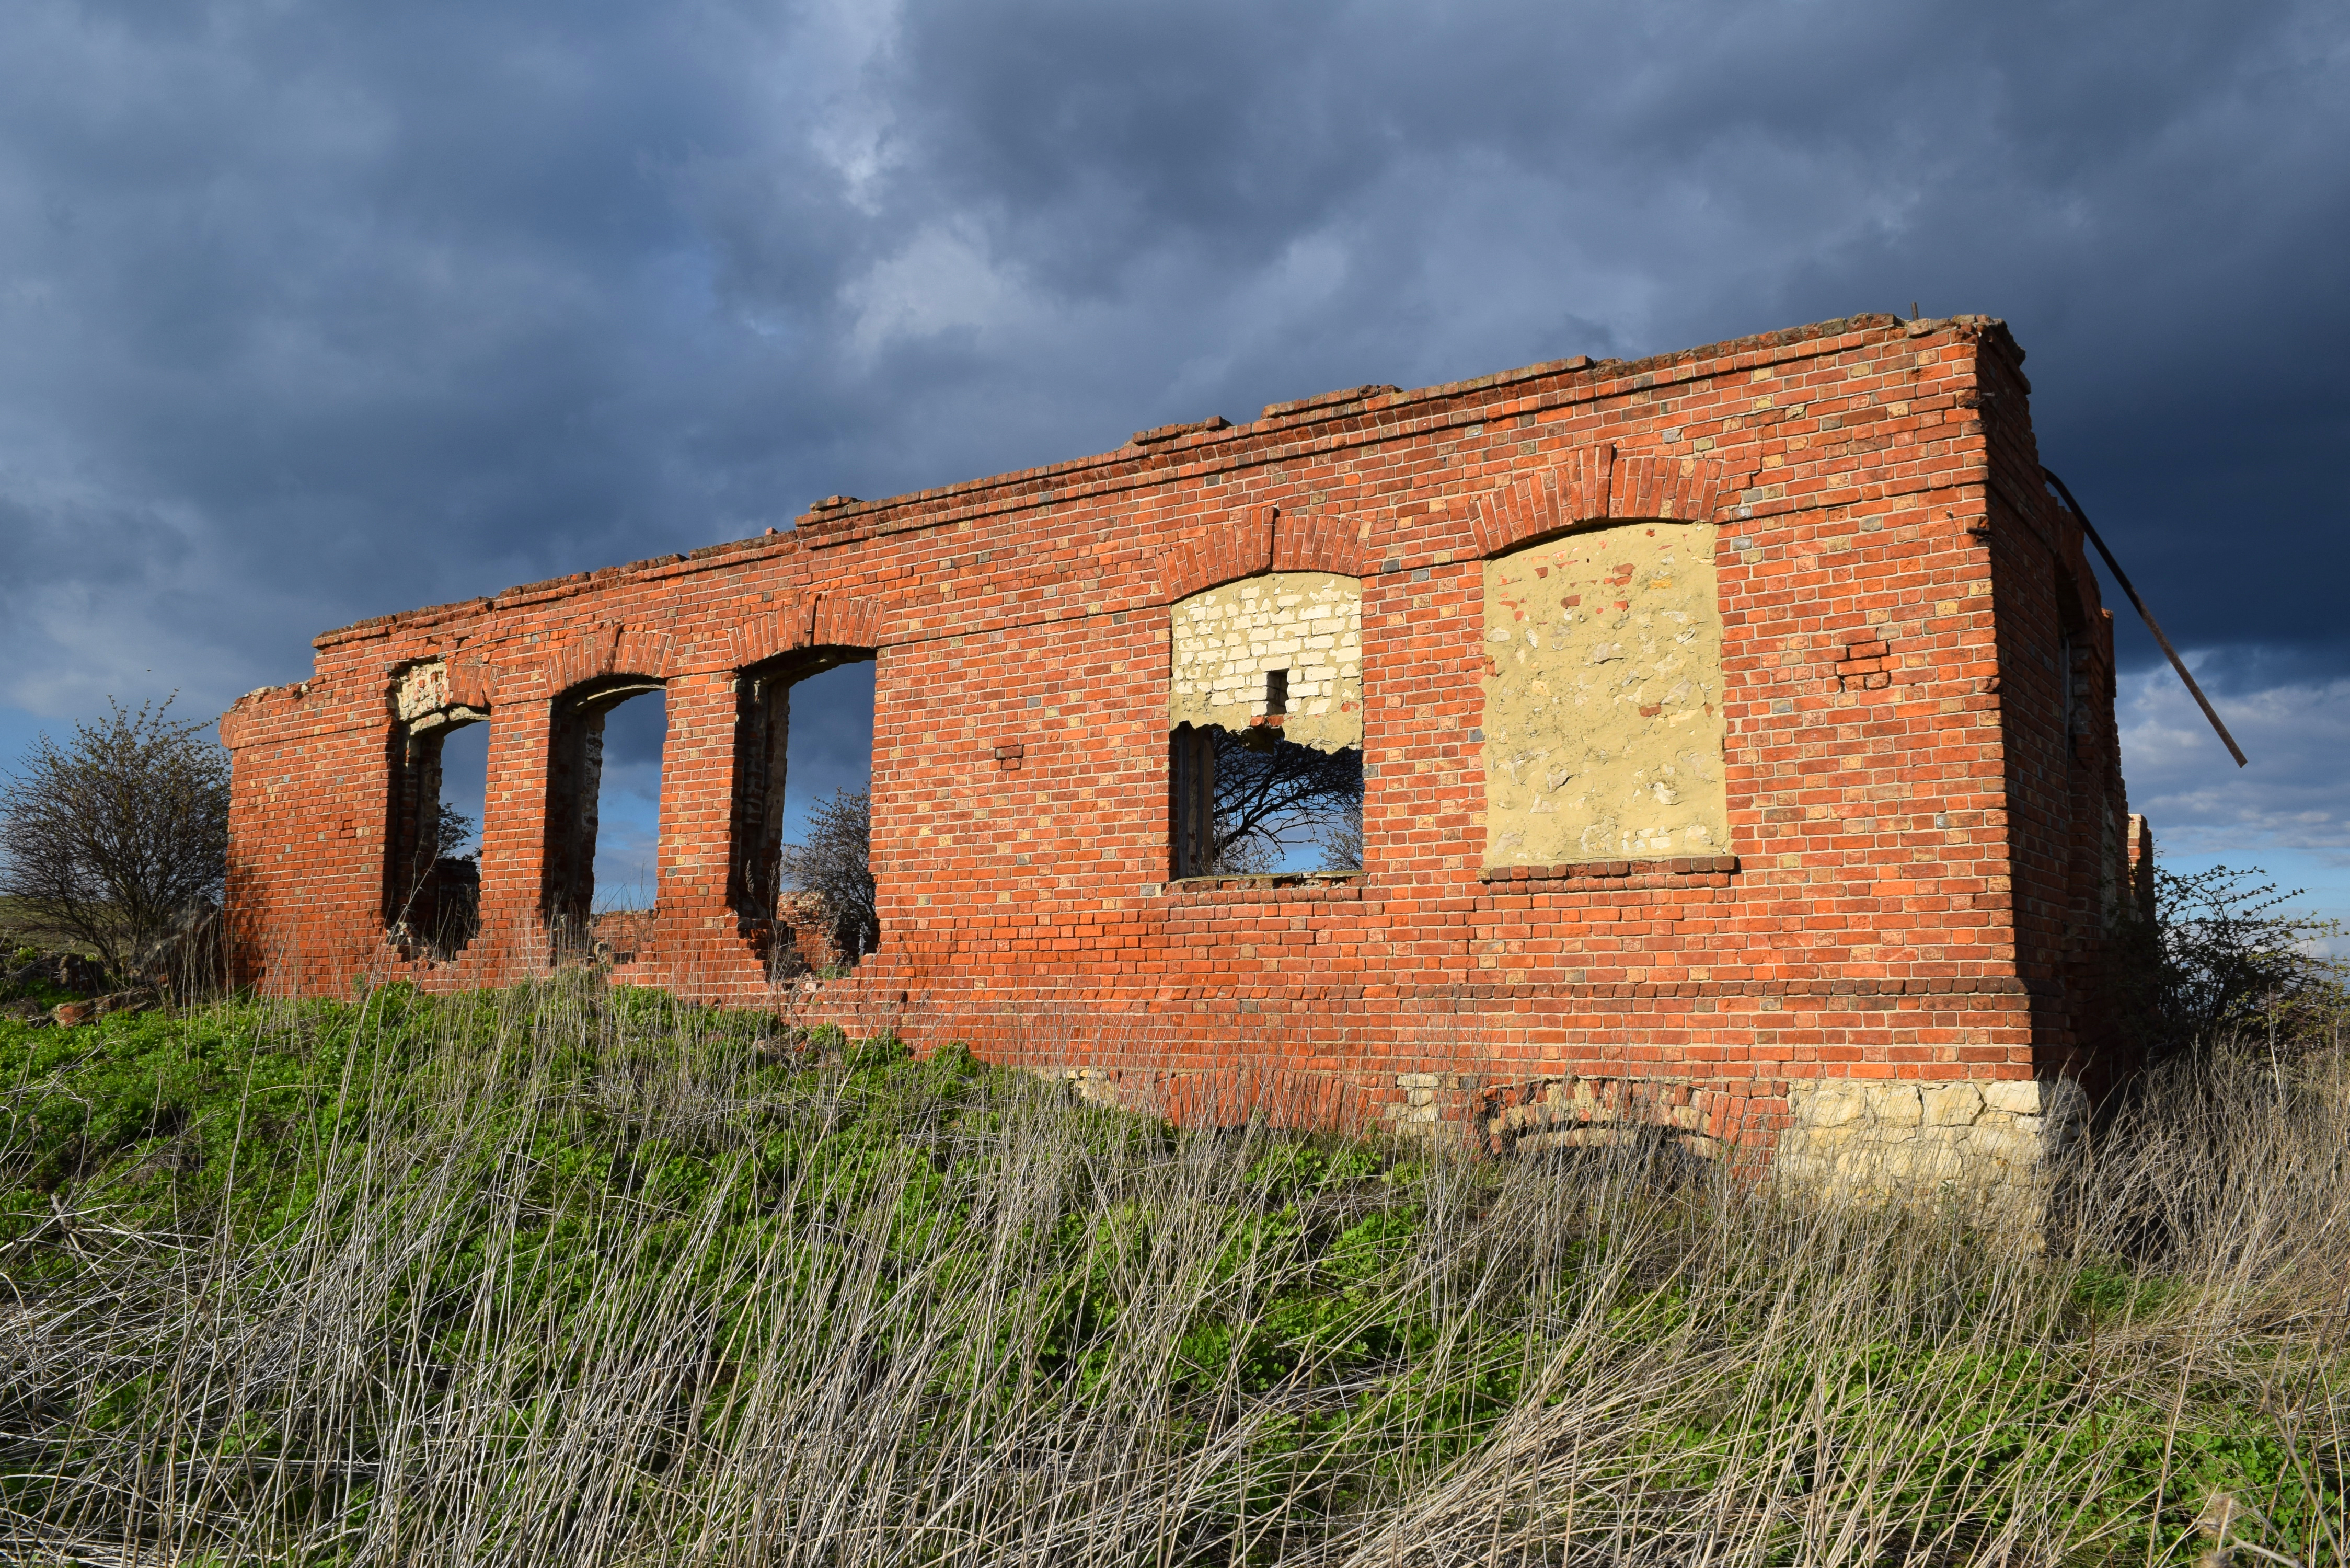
1277, 693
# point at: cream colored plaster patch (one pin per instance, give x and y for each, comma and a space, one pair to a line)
422, 689
1307, 623
421, 698
1603, 698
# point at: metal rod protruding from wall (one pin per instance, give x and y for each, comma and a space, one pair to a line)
2146, 615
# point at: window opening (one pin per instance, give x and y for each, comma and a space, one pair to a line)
1266, 727
603, 813
1249, 803
627, 803
439, 763
802, 878
465, 790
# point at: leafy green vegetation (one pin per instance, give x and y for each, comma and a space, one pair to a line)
558, 1273
45, 992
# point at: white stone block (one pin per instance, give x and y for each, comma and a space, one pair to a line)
1828, 1105
1895, 1105
1951, 1105
2003, 1143
2019, 1096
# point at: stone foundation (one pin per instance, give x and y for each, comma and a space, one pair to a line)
1422, 1100
1579, 1110
1988, 1142
1984, 1142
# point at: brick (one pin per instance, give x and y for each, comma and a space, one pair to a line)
1931, 846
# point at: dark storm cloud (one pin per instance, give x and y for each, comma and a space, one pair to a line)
316, 311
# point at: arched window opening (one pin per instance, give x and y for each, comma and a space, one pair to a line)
438, 763
603, 811
1265, 745
627, 803
801, 876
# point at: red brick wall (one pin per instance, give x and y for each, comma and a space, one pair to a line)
1915, 884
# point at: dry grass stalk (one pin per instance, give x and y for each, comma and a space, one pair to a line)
551, 1294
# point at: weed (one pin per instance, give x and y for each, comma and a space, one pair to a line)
559, 1274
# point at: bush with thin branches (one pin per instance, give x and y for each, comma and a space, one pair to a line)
2228, 955
117, 836
833, 860
1273, 796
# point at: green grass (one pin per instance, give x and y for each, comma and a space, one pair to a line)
47, 993
19, 925
558, 1274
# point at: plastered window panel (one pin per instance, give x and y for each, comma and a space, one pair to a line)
1603, 727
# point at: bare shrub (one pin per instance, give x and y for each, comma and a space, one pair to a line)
2225, 957
120, 835
1340, 837
833, 860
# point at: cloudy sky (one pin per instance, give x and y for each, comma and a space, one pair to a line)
312, 311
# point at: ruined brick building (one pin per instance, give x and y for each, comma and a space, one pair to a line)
1736, 729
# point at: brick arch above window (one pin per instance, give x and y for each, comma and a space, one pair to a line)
1321, 543
1261, 539
1595, 485
812, 621
605, 649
